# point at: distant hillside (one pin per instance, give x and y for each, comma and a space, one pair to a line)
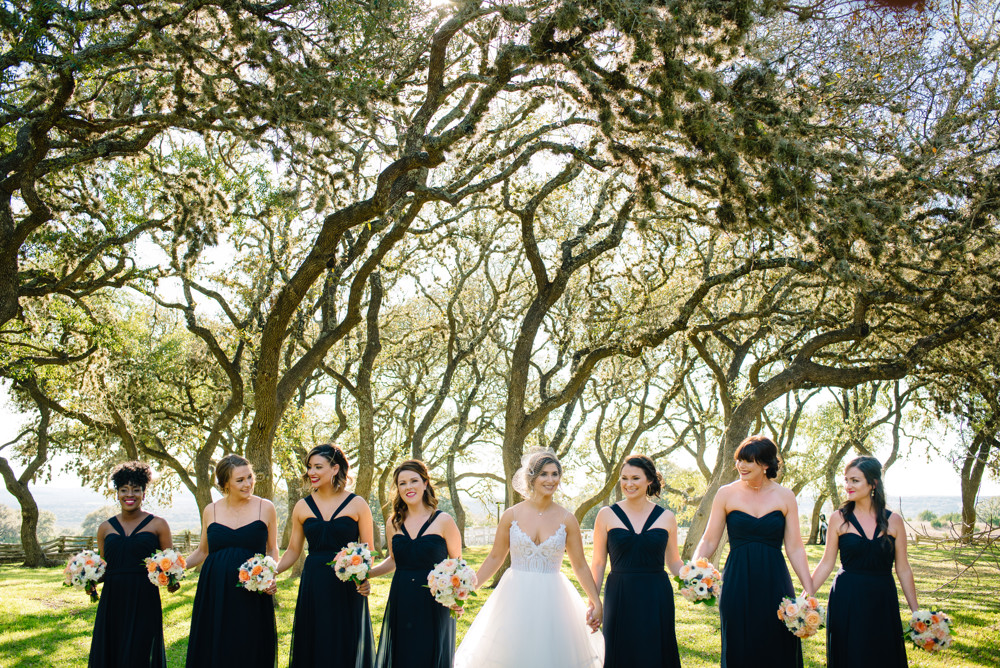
909, 506
72, 505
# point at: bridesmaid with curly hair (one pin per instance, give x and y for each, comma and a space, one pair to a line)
128, 630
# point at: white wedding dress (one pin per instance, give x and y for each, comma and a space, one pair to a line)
534, 618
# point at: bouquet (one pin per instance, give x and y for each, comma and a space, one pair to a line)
699, 581
165, 567
258, 573
930, 630
452, 583
353, 563
803, 615
85, 570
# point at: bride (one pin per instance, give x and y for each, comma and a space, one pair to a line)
535, 618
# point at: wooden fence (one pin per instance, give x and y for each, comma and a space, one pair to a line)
64, 547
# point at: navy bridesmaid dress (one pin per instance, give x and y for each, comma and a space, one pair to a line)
417, 631
754, 581
638, 599
332, 625
128, 630
231, 627
864, 606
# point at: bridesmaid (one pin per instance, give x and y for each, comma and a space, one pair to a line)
864, 605
639, 601
760, 515
128, 631
332, 624
230, 626
417, 631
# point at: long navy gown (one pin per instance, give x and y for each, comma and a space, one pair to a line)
128, 630
417, 631
230, 626
332, 625
638, 600
863, 625
754, 581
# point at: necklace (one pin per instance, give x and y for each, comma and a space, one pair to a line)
757, 488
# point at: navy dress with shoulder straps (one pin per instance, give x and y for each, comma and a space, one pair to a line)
332, 625
638, 599
417, 631
128, 630
863, 627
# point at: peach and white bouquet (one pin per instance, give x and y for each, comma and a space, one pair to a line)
165, 567
930, 630
258, 573
353, 562
803, 616
452, 582
85, 570
699, 581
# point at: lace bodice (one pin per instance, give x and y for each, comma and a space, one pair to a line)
525, 555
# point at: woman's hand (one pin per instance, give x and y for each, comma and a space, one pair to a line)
458, 610
364, 588
595, 616
273, 589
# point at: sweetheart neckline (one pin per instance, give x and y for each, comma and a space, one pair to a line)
562, 527
332, 519
756, 517
239, 527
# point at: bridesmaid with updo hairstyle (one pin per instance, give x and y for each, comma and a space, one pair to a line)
128, 630
417, 631
332, 624
639, 601
232, 627
760, 516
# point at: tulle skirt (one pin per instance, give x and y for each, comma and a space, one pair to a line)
531, 620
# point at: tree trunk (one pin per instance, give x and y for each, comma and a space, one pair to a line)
972, 476
814, 520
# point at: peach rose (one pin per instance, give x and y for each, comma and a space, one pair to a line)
930, 645
685, 572
182, 561
812, 619
919, 626
701, 563
257, 570
162, 579
791, 610
165, 564
244, 576
456, 581
355, 560
813, 602
151, 566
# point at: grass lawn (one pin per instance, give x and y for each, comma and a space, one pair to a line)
45, 624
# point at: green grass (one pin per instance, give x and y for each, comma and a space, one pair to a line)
45, 624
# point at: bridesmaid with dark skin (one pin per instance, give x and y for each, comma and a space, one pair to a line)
128, 630
417, 631
863, 625
639, 601
332, 623
760, 516
232, 627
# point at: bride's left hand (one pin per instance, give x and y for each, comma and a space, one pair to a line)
595, 615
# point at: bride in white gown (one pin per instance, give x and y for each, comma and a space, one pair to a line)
535, 618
